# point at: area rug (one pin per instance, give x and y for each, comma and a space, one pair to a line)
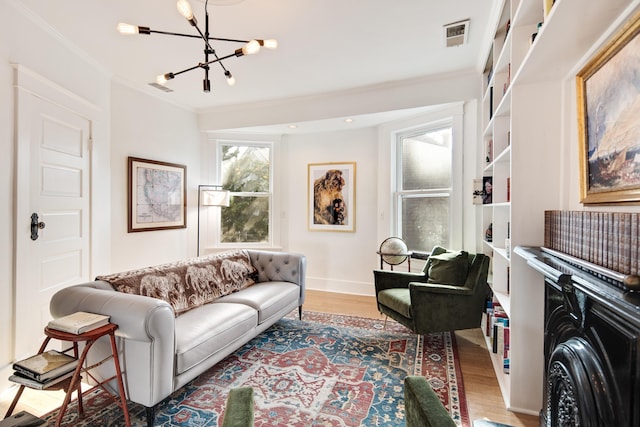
326, 370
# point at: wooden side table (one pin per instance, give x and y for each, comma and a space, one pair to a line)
88, 338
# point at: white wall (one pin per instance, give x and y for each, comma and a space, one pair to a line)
26, 41
146, 128
337, 261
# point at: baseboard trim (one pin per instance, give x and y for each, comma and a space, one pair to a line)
340, 286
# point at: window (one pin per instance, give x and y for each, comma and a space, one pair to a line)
247, 173
424, 187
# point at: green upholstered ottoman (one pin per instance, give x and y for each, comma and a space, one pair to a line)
239, 409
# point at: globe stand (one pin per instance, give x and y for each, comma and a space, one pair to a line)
394, 251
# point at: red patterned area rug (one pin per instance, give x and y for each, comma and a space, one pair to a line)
326, 370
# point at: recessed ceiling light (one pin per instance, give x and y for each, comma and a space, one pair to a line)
348, 120
293, 126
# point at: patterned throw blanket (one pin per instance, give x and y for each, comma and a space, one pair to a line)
191, 283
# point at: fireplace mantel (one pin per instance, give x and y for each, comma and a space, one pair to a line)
591, 344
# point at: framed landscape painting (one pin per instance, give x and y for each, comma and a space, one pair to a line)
608, 92
157, 196
331, 196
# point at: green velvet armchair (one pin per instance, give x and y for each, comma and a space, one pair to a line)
448, 295
422, 405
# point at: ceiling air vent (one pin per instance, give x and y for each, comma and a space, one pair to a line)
161, 87
456, 33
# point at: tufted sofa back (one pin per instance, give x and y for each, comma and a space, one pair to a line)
280, 266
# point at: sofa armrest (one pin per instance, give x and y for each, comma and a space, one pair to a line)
138, 317
441, 307
437, 288
385, 279
399, 279
147, 326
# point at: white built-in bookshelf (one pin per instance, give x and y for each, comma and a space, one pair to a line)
524, 120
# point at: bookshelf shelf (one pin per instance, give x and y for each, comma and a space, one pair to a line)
526, 115
497, 362
505, 301
504, 156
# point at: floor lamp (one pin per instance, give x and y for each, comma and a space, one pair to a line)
211, 195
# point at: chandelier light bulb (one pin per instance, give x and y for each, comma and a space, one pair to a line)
127, 28
184, 8
270, 43
163, 78
230, 79
250, 48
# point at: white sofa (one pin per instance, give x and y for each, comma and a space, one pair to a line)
161, 352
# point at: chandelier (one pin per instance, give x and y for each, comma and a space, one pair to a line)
210, 55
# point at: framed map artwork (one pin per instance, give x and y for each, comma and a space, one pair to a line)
157, 196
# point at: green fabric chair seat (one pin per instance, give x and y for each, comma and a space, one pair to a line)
396, 299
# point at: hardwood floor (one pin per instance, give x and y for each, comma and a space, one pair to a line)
481, 387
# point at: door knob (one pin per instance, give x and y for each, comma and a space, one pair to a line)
35, 226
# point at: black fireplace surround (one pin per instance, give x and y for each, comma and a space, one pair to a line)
591, 345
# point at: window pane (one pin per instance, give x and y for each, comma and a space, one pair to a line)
426, 160
425, 222
246, 220
245, 168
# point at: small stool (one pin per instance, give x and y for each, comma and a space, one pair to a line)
88, 338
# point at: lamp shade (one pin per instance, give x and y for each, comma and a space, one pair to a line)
215, 198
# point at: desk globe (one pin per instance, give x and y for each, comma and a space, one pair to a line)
393, 251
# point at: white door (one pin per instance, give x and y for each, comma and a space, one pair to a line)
53, 183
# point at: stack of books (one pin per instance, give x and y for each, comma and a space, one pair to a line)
495, 325
44, 370
79, 322
22, 419
607, 239
49, 368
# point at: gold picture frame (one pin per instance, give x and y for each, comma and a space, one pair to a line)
331, 195
608, 125
157, 195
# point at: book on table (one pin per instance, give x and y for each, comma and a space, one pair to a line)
18, 378
45, 366
79, 322
22, 419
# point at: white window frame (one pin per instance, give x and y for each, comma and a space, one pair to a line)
455, 121
272, 240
